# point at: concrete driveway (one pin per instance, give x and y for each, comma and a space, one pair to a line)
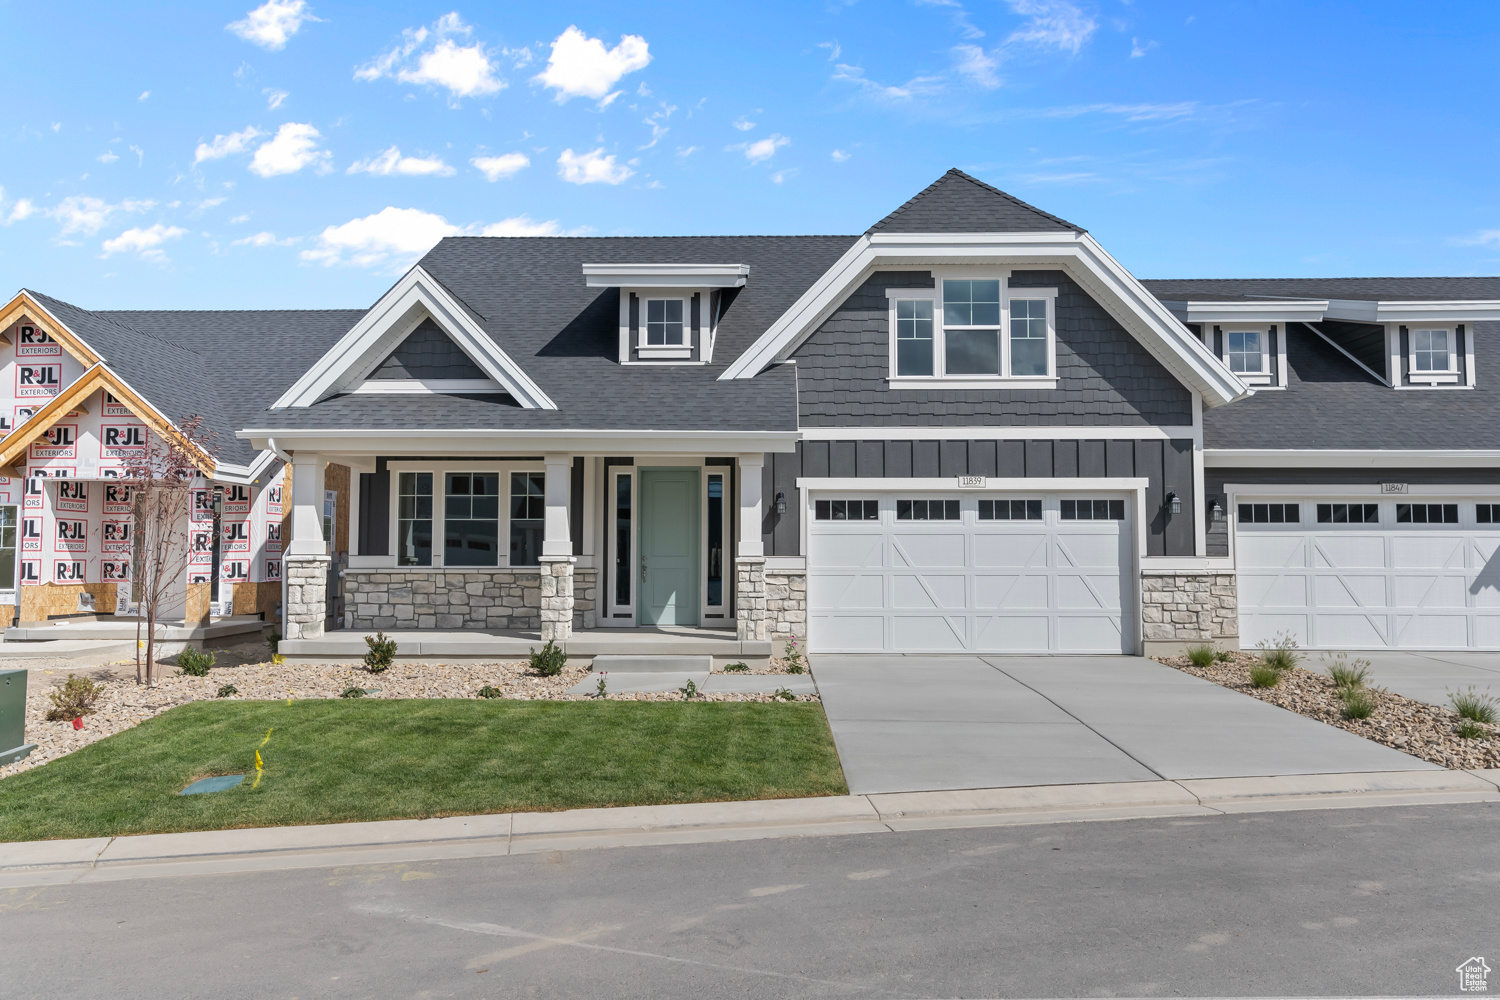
1428, 677
914, 723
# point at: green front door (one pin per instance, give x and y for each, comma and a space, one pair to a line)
669, 547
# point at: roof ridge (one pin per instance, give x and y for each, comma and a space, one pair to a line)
955, 172
124, 327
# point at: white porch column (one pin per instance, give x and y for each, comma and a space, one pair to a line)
557, 552
306, 562
750, 553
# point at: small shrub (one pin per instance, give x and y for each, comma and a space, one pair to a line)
785, 694
1263, 676
225, 690
1359, 703
74, 699
1468, 729
1279, 653
195, 662
689, 690
794, 664
1348, 675
490, 692
353, 692
382, 653
1201, 656
1473, 706
602, 688
1223, 655
274, 640
736, 668
550, 661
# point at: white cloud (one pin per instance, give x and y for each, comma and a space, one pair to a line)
146, 242
592, 167
504, 165
275, 98
85, 215
1129, 112
762, 149
108, 156
399, 236
144, 94
834, 49
264, 240
744, 124
272, 23
240, 218
782, 175
839, 156
978, 65
917, 86
463, 70
24, 208
226, 145
1485, 237
294, 147
581, 66
1052, 24
140, 155
392, 162
1137, 50
657, 122
686, 151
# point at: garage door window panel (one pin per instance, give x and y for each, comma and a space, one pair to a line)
927, 510
1427, 513
1092, 510
1010, 510
846, 510
1348, 513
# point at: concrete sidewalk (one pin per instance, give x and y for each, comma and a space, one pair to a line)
58, 862
1428, 677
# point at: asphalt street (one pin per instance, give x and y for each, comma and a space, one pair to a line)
1377, 901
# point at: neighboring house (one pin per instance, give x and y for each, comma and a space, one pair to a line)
969, 429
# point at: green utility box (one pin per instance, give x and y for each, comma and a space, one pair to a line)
13, 745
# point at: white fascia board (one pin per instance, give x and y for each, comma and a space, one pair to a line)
1017, 432
1304, 311
1123, 484
417, 290
247, 474
1161, 333
1351, 458
665, 275
1435, 311
488, 441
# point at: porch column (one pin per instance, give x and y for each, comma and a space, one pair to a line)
306, 562
750, 554
557, 552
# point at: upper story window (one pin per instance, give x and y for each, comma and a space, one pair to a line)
973, 332
1247, 352
664, 323
1432, 351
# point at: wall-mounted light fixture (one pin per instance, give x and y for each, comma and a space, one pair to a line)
1216, 512
780, 503
1174, 503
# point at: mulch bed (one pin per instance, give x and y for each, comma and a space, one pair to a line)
1401, 723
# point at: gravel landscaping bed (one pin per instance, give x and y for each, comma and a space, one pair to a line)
125, 703
1401, 723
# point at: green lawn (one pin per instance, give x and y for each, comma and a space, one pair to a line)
339, 761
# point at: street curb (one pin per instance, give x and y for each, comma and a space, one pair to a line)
501, 834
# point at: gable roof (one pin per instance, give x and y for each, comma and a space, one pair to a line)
958, 203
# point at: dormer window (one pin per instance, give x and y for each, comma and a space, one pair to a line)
1432, 353
669, 313
664, 323
1247, 352
1254, 352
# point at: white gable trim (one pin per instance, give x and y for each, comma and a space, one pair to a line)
387, 323
1140, 312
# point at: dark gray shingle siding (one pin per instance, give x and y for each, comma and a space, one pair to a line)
958, 203
1105, 376
428, 353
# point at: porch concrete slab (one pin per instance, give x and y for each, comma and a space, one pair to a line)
1181, 726
92, 650
630, 683
759, 683
1428, 677
927, 689
435, 644
121, 629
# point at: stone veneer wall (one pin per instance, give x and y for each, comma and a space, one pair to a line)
585, 597
1190, 607
786, 604
445, 598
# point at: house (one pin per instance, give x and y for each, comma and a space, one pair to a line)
967, 429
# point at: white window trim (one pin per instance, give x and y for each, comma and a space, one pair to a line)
1262, 377
940, 379
720, 612
647, 354
440, 472
1447, 375
1396, 362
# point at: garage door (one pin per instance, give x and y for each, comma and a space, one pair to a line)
1360, 575
988, 574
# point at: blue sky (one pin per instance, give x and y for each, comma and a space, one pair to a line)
303, 152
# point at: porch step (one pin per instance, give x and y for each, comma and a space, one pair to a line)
652, 664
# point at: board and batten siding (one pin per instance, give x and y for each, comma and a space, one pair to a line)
1214, 480
1168, 465
1105, 376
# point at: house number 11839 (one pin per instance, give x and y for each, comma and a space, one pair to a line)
971, 482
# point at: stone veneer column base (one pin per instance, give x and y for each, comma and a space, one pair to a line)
751, 617
786, 605
557, 597
306, 596
1184, 608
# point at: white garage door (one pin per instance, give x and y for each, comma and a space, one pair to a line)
987, 574
1390, 574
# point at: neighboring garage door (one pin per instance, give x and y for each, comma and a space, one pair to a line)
1361, 575
987, 574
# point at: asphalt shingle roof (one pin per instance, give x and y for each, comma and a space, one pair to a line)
958, 203
1366, 289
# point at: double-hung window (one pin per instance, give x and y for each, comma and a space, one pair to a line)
971, 331
414, 519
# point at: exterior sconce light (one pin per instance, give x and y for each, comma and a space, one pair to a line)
1216, 512
1174, 503
780, 503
